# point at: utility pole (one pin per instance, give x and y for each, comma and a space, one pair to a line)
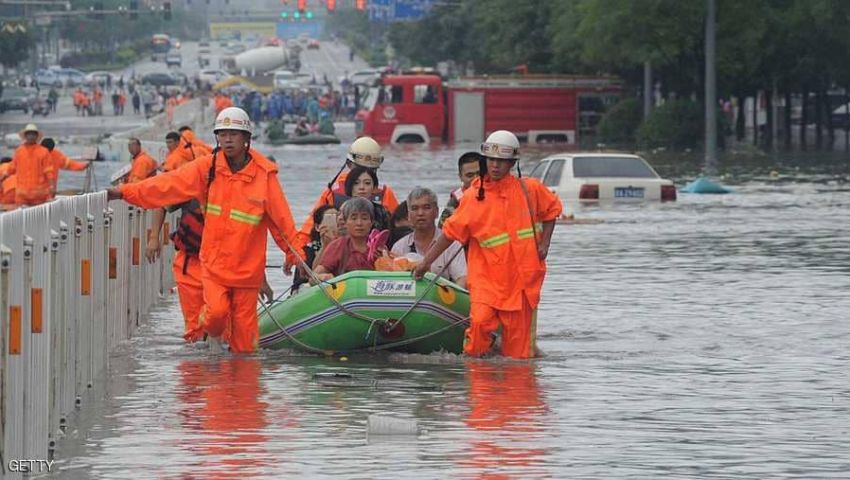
703, 183
710, 90
647, 89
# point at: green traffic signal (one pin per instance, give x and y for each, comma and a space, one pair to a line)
297, 15
284, 14
309, 15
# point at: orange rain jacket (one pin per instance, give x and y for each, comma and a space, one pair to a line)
503, 262
240, 208
36, 174
173, 160
143, 167
388, 200
62, 162
8, 186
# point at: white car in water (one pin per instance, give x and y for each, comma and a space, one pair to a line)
597, 177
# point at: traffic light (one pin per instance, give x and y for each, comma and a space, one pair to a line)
166, 10
284, 15
302, 5
134, 9
331, 5
360, 4
309, 15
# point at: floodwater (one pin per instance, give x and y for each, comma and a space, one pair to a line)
703, 338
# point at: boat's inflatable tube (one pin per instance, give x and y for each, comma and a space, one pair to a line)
312, 321
312, 139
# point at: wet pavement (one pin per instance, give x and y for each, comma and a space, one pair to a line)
701, 338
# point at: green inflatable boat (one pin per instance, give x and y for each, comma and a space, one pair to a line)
365, 311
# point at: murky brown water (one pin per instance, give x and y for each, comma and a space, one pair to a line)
702, 338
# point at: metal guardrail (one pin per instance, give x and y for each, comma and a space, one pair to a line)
73, 286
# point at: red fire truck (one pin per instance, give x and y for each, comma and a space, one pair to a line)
422, 108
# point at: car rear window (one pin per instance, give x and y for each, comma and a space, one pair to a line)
538, 170
611, 167
553, 175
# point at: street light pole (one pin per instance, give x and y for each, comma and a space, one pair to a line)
710, 90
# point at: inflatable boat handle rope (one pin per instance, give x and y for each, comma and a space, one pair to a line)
372, 321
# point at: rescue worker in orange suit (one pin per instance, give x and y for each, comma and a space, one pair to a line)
364, 152
144, 166
222, 102
186, 266
174, 159
192, 147
33, 167
186, 238
61, 161
468, 168
243, 202
8, 185
507, 227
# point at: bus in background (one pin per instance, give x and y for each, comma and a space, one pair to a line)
160, 45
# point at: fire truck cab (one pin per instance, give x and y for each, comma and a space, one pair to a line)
404, 109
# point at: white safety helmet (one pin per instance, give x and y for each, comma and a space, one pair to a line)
501, 144
365, 152
233, 118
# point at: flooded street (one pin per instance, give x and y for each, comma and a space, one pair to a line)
706, 337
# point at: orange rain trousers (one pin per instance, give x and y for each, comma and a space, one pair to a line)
191, 293
518, 330
232, 311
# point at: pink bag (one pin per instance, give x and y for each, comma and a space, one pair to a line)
375, 241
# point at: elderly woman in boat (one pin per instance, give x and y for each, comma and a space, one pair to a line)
351, 251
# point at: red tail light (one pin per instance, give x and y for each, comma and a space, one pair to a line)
668, 193
589, 192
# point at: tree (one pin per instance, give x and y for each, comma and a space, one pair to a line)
513, 33
15, 45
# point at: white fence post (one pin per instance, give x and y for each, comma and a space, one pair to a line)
13, 372
73, 286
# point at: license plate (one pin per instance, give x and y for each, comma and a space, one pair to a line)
628, 192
